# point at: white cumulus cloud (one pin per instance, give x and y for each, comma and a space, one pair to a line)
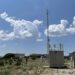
21, 28
61, 29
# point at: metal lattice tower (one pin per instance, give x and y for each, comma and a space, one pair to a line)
55, 57
48, 39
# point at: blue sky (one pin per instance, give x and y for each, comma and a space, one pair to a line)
14, 14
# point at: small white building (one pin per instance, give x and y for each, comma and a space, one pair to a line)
56, 59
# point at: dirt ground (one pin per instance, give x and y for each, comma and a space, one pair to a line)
59, 72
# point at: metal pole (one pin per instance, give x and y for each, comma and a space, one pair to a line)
48, 40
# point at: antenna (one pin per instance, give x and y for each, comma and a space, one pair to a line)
54, 47
48, 39
61, 46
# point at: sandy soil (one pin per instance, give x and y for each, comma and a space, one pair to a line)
59, 72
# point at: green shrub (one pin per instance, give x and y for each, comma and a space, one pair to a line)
18, 62
1, 63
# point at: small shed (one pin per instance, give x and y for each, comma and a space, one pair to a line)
56, 59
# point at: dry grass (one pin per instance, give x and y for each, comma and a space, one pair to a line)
33, 67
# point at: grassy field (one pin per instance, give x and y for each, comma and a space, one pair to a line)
31, 67
20, 67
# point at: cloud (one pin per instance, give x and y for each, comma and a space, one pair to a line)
62, 29
6, 36
21, 28
39, 40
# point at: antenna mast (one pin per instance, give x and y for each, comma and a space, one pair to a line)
48, 39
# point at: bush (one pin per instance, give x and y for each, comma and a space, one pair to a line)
18, 62
9, 55
1, 63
